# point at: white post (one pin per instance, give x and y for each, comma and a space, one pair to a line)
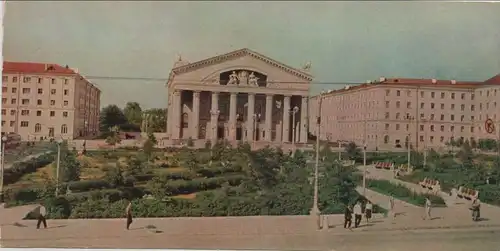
4, 141
315, 209
57, 166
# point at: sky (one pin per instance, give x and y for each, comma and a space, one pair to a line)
346, 42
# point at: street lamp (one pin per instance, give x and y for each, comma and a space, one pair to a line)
408, 142
294, 111
4, 141
425, 141
256, 118
364, 169
58, 142
315, 209
215, 126
86, 128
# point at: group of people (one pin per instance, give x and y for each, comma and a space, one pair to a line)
357, 210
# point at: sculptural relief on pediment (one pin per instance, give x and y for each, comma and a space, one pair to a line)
243, 78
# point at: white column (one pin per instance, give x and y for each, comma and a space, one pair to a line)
214, 118
170, 111
303, 120
195, 116
176, 117
286, 119
232, 115
250, 118
269, 117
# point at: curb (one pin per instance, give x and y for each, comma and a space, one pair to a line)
431, 228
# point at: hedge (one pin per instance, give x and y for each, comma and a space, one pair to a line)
19, 169
87, 185
403, 193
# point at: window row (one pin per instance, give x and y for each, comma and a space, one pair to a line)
422, 139
26, 101
31, 79
38, 113
444, 95
28, 90
442, 117
432, 128
38, 126
433, 106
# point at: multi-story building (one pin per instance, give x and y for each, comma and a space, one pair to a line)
385, 114
48, 101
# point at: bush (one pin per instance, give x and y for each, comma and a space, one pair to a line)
108, 194
87, 185
19, 169
402, 193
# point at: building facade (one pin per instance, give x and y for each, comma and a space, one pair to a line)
48, 101
238, 96
388, 113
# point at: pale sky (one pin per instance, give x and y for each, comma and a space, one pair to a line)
345, 41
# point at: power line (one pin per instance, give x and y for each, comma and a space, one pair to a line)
164, 80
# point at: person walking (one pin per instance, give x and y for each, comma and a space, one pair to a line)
128, 214
42, 212
357, 214
391, 212
347, 216
428, 205
368, 210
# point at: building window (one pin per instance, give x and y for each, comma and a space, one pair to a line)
421, 138
66, 91
25, 101
40, 91
24, 124
52, 91
387, 126
38, 113
453, 106
433, 94
386, 104
432, 116
65, 103
12, 112
462, 107
39, 80
39, 102
397, 115
452, 117
452, 128
386, 115
452, 95
421, 105
398, 93
408, 105
397, 127
441, 139
398, 104
408, 93
432, 105
14, 90
12, 123
52, 102
26, 79
4, 112
5, 78
13, 101
462, 118
386, 139
442, 106
462, 128
25, 112
442, 94
14, 79
4, 89
442, 116
4, 100
432, 128
472, 108
38, 127
472, 96
442, 128
52, 113
387, 92
64, 129
431, 139
3, 122
65, 81
421, 127
52, 81
421, 94
26, 90
65, 114
462, 96
472, 129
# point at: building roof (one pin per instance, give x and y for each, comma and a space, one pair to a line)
419, 83
36, 68
236, 54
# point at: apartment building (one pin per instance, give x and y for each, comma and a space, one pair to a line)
385, 114
48, 101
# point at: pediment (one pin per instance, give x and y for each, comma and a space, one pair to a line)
243, 58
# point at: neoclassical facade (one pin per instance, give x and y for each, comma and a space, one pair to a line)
238, 96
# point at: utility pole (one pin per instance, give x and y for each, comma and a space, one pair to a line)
315, 210
58, 142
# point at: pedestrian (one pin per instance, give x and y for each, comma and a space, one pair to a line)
357, 214
368, 210
347, 216
42, 212
391, 212
128, 214
427, 208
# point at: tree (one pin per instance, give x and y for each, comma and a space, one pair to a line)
69, 166
156, 120
110, 117
114, 176
353, 152
148, 148
114, 136
133, 113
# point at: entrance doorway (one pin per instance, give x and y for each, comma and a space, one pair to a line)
239, 133
220, 132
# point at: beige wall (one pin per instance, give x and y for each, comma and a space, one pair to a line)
35, 103
440, 114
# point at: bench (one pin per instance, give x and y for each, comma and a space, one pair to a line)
433, 185
384, 165
467, 193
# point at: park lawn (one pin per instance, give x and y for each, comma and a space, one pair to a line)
160, 171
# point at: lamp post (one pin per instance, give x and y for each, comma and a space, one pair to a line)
425, 141
408, 142
280, 115
256, 118
315, 209
294, 126
86, 128
58, 142
4, 141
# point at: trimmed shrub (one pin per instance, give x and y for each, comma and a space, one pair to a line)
87, 185
19, 169
402, 193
